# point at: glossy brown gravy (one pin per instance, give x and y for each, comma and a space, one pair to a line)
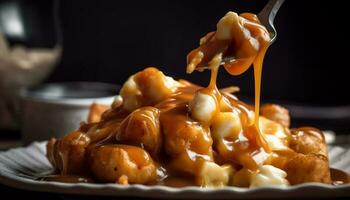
246, 49
188, 143
67, 178
339, 177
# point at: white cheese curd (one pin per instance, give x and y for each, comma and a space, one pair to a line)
215, 61
170, 83
214, 175
118, 100
225, 26
131, 94
275, 143
269, 175
194, 62
158, 87
274, 133
226, 125
202, 107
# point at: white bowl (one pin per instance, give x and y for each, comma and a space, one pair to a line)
53, 110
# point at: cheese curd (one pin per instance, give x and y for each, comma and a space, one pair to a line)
214, 175
164, 130
131, 94
225, 26
226, 125
268, 175
274, 133
202, 107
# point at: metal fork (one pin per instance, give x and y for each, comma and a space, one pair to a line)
266, 16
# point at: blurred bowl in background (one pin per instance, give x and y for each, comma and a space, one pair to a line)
21, 67
31, 45
53, 110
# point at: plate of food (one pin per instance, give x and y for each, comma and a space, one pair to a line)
167, 138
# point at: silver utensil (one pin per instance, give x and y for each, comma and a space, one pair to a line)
266, 16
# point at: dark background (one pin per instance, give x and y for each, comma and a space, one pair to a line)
109, 40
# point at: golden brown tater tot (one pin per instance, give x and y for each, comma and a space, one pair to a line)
307, 140
141, 128
95, 112
114, 163
308, 168
276, 113
68, 154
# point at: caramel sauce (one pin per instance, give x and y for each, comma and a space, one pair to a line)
178, 182
184, 144
178, 125
67, 179
247, 45
339, 177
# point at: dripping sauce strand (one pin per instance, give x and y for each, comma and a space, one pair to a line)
174, 109
247, 49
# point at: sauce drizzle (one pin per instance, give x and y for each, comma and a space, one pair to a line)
247, 43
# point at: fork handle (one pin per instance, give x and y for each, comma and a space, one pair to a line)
268, 13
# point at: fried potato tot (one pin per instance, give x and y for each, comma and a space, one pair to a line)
308, 168
186, 142
95, 112
123, 164
146, 88
276, 113
307, 140
68, 154
141, 128
191, 137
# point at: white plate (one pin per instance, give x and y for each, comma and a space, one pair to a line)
19, 168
